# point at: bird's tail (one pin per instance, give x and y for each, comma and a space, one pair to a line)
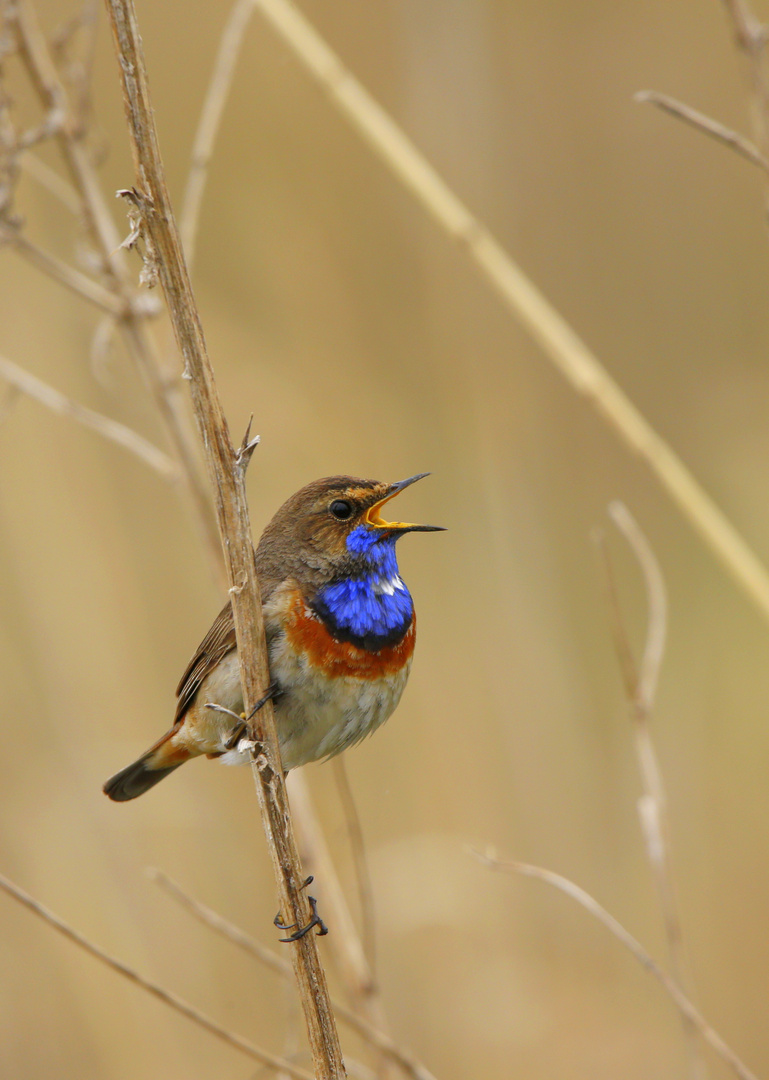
152, 767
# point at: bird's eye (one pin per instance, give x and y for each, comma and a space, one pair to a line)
341, 509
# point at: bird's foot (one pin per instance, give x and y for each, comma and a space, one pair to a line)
300, 931
234, 740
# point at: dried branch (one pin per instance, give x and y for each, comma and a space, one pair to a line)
566, 351
641, 689
166, 996
111, 429
317, 859
228, 476
210, 121
684, 1005
348, 951
362, 874
704, 123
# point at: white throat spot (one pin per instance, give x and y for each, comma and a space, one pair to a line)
387, 586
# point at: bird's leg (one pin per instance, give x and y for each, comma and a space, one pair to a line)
243, 721
315, 920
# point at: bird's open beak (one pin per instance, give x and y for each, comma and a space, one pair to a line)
373, 516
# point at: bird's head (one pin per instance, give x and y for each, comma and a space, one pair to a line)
335, 526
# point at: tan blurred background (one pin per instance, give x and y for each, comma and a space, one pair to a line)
364, 343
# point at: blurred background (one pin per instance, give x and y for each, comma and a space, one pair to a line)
364, 343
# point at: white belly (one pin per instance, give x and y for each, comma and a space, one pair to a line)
316, 716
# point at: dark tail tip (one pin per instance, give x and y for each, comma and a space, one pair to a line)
134, 780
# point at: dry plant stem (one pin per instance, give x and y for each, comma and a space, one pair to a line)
104, 425
208, 126
349, 954
50, 179
35, 54
265, 956
228, 474
72, 279
564, 348
166, 996
684, 1005
358, 845
317, 859
704, 123
751, 37
641, 689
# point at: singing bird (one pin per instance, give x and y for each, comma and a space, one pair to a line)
340, 628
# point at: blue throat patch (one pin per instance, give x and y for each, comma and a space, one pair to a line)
374, 609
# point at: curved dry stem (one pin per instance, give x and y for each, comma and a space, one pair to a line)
744, 147
348, 949
51, 181
209, 123
682, 1002
641, 694
107, 427
362, 873
72, 279
656, 598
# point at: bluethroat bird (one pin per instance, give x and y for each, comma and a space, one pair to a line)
340, 628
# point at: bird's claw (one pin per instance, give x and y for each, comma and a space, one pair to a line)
234, 740
300, 931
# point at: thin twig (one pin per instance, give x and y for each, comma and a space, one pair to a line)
111, 429
209, 123
50, 180
645, 690
228, 477
747, 28
166, 996
704, 123
751, 37
567, 352
79, 72
684, 1005
72, 279
317, 858
362, 873
641, 690
234, 934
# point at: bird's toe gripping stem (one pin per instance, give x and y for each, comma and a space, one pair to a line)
300, 931
270, 694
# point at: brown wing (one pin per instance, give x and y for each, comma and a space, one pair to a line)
219, 640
